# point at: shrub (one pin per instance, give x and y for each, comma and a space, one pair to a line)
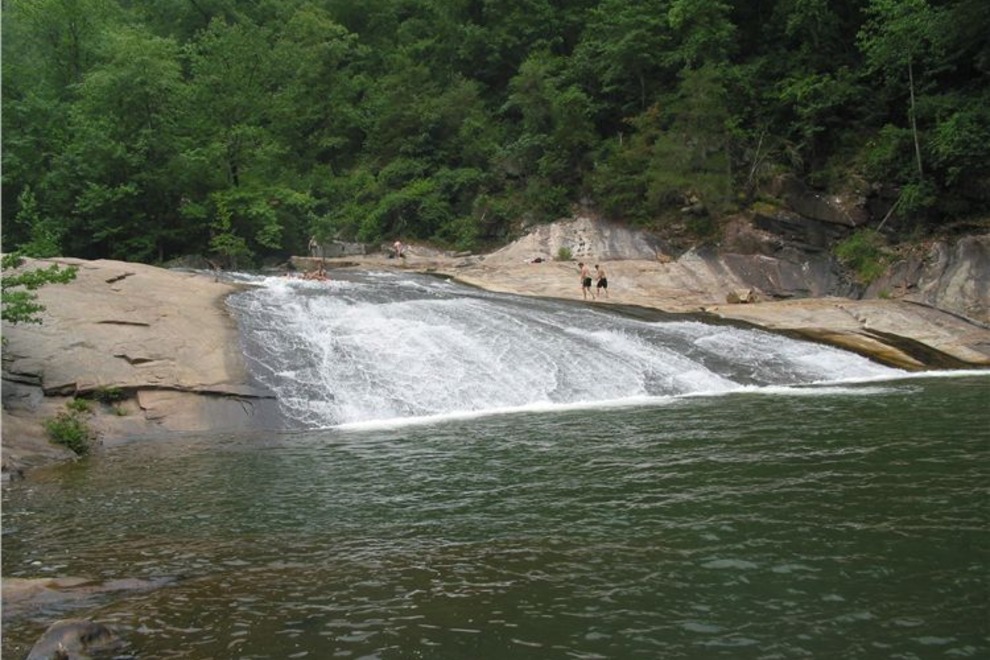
564, 254
78, 405
109, 395
863, 253
70, 430
20, 304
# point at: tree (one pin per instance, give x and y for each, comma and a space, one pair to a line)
677, 155
119, 167
55, 40
898, 36
232, 88
622, 56
46, 233
550, 150
316, 109
48, 46
148, 130
704, 31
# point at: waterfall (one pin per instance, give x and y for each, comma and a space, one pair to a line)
382, 347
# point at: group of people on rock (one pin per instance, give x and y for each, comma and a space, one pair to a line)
319, 275
601, 278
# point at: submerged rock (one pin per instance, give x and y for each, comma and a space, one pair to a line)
33, 596
75, 639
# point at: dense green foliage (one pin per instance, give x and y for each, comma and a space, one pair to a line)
147, 130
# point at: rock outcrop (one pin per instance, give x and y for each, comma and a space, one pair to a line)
162, 341
954, 277
936, 318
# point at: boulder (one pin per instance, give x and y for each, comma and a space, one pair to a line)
75, 639
741, 296
34, 597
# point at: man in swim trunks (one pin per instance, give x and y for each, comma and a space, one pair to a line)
602, 280
585, 281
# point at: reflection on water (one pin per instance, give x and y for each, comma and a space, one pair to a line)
830, 522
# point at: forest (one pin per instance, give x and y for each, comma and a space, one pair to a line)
144, 131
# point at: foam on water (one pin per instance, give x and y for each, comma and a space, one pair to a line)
381, 347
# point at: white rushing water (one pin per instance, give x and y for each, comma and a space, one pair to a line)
380, 347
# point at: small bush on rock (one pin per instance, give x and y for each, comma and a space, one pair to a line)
70, 429
78, 405
109, 395
863, 253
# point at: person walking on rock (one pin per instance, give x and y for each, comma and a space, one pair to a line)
602, 279
585, 281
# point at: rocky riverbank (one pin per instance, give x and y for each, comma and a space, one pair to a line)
931, 310
164, 345
155, 351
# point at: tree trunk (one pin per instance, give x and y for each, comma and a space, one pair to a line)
914, 121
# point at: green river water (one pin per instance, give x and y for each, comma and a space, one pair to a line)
834, 521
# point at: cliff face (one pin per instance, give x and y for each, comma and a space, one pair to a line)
954, 277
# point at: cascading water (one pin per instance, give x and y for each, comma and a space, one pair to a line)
385, 347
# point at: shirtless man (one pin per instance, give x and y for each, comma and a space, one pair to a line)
602, 280
585, 281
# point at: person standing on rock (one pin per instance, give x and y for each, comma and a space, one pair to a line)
602, 278
585, 281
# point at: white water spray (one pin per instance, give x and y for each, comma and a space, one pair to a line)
373, 347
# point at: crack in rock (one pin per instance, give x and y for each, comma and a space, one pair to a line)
134, 360
142, 324
117, 278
